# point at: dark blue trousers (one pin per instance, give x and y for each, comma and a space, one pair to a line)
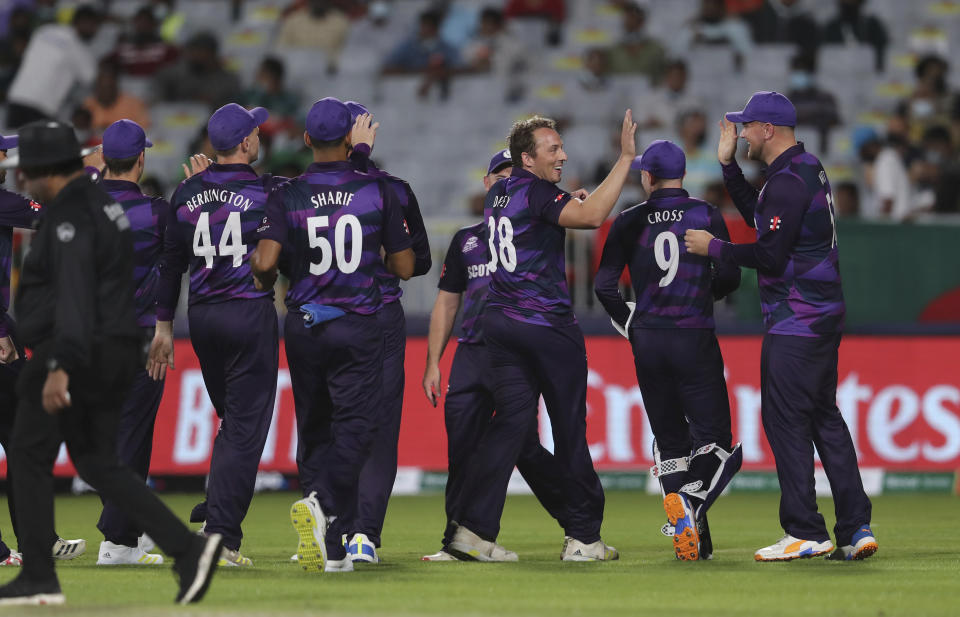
134, 447
467, 410
8, 412
798, 389
680, 374
380, 470
336, 370
237, 344
527, 360
89, 427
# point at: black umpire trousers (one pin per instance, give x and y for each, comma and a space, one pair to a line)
89, 427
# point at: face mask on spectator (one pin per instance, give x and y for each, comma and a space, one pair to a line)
800, 80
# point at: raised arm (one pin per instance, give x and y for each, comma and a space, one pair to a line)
591, 212
742, 192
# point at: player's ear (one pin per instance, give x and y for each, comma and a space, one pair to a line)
306, 139
526, 158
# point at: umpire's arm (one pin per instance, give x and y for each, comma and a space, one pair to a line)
74, 270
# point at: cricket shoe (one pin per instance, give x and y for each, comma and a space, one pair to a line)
361, 549
69, 549
863, 545
21, 591
468, 546
789, 548
112, 554
14, 559
439, 556
196, 567
146, 543
686, 536
310, 523
339, 565
233, 559
575, 550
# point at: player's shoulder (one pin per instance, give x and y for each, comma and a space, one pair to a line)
475, 229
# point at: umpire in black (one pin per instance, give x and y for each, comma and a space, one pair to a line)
75, 304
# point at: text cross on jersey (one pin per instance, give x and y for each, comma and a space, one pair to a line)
775, 223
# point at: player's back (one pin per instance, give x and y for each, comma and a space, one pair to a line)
217, 213
148, 220
528, 269
673, 287
334, 219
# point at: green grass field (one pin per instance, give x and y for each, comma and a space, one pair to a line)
914, 573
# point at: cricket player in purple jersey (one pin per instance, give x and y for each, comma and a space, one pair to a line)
798, 272
327, 228
124, 144
535, 345
380, 470
20, 212
468, 405
671, 330
233, 325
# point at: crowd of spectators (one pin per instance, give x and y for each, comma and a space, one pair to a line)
906, 165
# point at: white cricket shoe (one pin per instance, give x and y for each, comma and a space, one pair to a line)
468, 546
14, 559
310, 523
575, 550
146, 543
119, 555
439, 556
360, 548
233, 559
339, 565
69, 549
789, 548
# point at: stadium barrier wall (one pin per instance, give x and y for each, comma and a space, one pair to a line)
900, 397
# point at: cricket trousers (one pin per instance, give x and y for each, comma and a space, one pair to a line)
237, 345
467, 411
527, 360
336, 368
8, 413
134, 447
798, 390
89, 427
680, 374
380, 470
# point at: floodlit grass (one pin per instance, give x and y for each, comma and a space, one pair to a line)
914, 573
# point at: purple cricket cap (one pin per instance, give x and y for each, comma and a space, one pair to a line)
663, 159
356, 109
765, 106
231, 123
328, 120
124, 139
8, 141
499, 161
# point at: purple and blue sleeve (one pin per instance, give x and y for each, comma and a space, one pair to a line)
547, 201
418, 234
173, 263
453, 275
743, 193
726, 276
395, 237
606, 285
784, 204
17, 211
275, 222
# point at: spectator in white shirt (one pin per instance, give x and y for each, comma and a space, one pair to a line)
56, 60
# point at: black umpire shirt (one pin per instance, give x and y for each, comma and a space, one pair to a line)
76, 288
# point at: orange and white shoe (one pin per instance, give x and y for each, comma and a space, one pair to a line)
14, 559
790, 548
686, 537
863, 544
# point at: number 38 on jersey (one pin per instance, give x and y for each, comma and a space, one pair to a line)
500, 241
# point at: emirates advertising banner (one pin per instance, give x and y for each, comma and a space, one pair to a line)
900, 397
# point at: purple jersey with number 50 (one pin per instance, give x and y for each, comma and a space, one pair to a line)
528, 280
332, 221
212, 232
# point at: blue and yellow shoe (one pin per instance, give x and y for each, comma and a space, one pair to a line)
863, 544
686, 537
361, 549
